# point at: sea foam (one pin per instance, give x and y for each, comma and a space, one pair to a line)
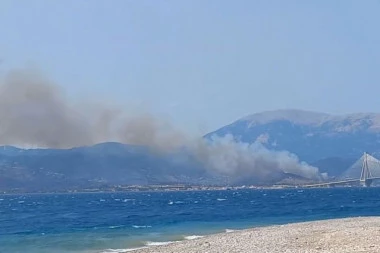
192, 237
158, 243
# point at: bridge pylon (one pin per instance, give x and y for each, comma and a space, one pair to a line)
365, 176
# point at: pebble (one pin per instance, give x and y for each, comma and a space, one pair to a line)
329, 236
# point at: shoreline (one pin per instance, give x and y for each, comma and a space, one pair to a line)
279, 188
359, 234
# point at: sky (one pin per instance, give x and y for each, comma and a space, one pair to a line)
201, 64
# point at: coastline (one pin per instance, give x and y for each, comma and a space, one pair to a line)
360, 234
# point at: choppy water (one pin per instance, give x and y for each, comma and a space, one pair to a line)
110, 222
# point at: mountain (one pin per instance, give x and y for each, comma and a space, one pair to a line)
335, 166
111, 164
92, 166
311, 136
330, 142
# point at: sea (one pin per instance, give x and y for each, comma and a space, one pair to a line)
121, 222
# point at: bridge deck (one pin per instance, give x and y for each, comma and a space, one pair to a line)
339, 182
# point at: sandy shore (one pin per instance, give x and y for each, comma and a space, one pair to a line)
339, 235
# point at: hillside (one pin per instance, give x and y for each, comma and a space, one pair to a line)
110, 164
102, 164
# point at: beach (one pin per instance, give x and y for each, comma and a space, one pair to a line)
360, 234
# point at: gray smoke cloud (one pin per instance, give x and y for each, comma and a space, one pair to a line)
35, 112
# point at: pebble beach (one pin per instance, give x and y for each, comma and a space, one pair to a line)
360, 234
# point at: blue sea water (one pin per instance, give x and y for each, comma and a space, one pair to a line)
114, 222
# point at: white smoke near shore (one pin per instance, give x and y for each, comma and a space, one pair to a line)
34, 111
229, 157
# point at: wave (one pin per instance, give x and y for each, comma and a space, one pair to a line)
119, 226
149, 243
193, 237
121, 250
136, 226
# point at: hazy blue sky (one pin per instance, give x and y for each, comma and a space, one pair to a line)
202, 63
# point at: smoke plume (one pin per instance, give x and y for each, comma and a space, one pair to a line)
34, 111
230, 158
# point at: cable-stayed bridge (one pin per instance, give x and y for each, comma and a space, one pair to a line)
363, 171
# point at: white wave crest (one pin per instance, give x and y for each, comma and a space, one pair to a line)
157, 243
121, 250
136, 226
193, 237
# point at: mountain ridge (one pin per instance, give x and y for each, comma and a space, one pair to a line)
311, 136
317, 119
330, 143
